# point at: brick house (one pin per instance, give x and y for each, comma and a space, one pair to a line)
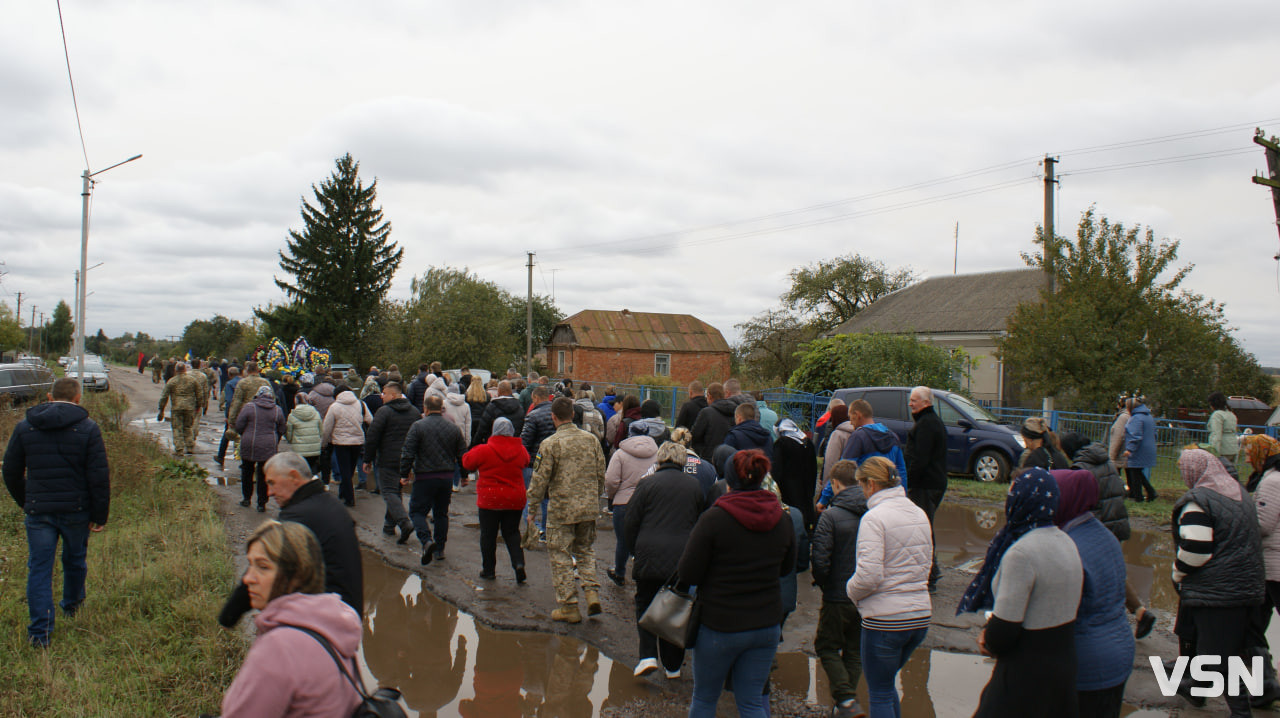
603, 345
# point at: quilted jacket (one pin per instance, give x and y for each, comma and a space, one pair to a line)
895, 553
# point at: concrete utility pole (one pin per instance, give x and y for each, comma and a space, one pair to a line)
86, 188
1050, 239
18, 313
528, 323
31, 338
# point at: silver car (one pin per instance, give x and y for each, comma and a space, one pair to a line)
95, 373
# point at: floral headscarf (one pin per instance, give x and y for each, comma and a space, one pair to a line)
1257, 448
1200, 469
1031, 504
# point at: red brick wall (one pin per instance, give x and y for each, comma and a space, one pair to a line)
621, 366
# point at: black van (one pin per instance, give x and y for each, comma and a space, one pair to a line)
23, 382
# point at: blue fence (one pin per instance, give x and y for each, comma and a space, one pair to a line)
802, 407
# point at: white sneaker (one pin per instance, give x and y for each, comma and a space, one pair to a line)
672, 674
646, 666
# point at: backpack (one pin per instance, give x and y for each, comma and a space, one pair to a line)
382, 703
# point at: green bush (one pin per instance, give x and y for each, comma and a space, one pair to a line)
876, 360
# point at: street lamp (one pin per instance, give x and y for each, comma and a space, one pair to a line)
84, 258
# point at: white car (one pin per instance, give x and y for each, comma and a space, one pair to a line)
95, 373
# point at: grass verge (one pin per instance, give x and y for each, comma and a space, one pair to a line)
146, 642
1167, 484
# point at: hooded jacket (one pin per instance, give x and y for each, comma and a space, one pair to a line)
660, 516
876, 440
345, 422
417, 390
500, 407
711, 426
61, 452
836, 440
835, 544
385, 438
302, 430
1140, 439
632, 462
689, 411
500, 466
288, 672
458, 411
750, 434
1110, 509
437, 388
321, 397
736, 554
260, 426
335, 529
592, 421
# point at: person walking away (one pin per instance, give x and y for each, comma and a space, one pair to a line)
836, 435
322, 396
633, 461
1222, 428
499, 465
747, 433
431, 452
629, 412
157, 365
592, 421
288, 390
366, 471
767, 417
538, 426
343, 431
55, 468
202, 380
184, 393
569, 470
478, 401
458, 411
247, 388
795, 468
260, 425
694, 466
735, 555
1115, 434
304, 432
838, 641
417, 390
1263, 454
606, 405
287, 671
170, 369
1104, 645
1218, 567
822, 428
713, 422
1031, 581
383, 444
1140, 450
660, 516
870, 438
224, 405
503, 405
926, 458
690, 409
1043, 450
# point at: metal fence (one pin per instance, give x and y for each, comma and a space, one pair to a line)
802, 407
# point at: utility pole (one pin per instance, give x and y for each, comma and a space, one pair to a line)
31, 338
1050, 239
40, 341
955, 262
18, 313
528, 323
1273, 169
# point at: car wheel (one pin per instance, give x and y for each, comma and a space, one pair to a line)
991, 466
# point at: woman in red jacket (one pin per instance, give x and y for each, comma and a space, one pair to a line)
499, 495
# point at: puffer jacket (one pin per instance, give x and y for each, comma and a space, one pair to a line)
61, 452
500, 466
711, 426
537, 427
1267, 500
345, 422
507, 407
895, 553
434, 444
385, 439
1140, 438
660, 515
458, 411
437, 388
631, 463
1110, 509
302, 430
835, 544
260, 426
321, 397
1234, 574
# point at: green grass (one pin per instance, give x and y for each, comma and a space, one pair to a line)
146, 642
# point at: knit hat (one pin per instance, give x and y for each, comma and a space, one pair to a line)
502, 427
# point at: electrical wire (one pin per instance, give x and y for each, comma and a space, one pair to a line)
1194, 134
67, 54
1231, 152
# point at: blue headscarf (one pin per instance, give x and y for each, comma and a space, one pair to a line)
1031, 504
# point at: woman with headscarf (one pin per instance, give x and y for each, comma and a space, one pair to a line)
1104, 645
1263, 455
795, 468
370, 386
500, 495
1030, 582
260, 425
1043, 449
1218, 568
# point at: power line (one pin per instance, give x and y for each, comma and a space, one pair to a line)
1162, 161
1194, 134
67, 54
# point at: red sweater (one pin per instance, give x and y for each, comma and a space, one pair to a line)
500, 464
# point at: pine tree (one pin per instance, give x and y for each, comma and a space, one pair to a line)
342, 263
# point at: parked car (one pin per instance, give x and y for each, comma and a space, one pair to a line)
32, 361
95, 373
64, 361
453, 375
22, 382
977, 442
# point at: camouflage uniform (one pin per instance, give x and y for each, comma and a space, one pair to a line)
203, 381
156, 365
569, 469
185, 393
246, 389
212, 376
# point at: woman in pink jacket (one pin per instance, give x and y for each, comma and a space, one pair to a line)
632, 462
288, 672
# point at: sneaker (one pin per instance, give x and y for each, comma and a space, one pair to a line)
671, 675
520, 577
427, 552
613, 576
245, 503
262, 509
645, 667
847, 708
1145, 623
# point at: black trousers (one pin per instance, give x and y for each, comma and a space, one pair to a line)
1138, 482
249, 470
668, 654
491, 521
1103, 703
346, 457
431, 496
928, 501
1216, 632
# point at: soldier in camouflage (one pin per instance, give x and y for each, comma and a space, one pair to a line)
157, 364
184, 391
246, 390
569, 470
212, 376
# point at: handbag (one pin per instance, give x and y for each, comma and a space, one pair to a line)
672, 616
382, 703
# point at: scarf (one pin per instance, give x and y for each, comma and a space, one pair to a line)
1031, 504
1200, 469
787, 427
370, 387
1078, 494
1257, 448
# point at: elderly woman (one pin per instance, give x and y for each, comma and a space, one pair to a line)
1104, 645
890, 583
287, 671
1218, 568
500, 495
660, 516
260, 425
1222, 427
1031, 582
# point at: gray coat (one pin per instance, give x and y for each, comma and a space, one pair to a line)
260, 426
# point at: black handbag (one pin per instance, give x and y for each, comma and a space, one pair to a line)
672, 616
382, 703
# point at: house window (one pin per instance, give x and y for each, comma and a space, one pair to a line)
662, 365
560, 360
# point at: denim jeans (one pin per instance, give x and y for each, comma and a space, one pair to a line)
620, 552
524, 514
748, 655
43, 531
431, 495
884, 653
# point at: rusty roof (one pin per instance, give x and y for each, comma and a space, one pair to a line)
642, 331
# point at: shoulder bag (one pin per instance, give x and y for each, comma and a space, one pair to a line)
382, 703
672, 616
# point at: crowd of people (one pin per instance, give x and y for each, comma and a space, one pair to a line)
731, 502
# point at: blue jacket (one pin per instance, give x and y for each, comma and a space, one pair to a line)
866, 442
606, 407
1140, 438
750, 435
60, 451
1104, 642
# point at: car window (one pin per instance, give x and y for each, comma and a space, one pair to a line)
6, 377
888, 404
26, 376
947, 413
973, 409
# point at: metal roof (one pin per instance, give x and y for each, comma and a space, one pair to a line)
639, 331
950, 303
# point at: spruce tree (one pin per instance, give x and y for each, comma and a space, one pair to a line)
341, 264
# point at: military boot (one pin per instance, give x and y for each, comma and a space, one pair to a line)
593, 601
567, 612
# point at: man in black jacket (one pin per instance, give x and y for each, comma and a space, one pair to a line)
55, 467
926, 457
503, 405
838, 642
383, 443
714, 422
418, 387
689, 410
431, 452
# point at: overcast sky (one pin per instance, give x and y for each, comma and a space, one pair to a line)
627, 144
